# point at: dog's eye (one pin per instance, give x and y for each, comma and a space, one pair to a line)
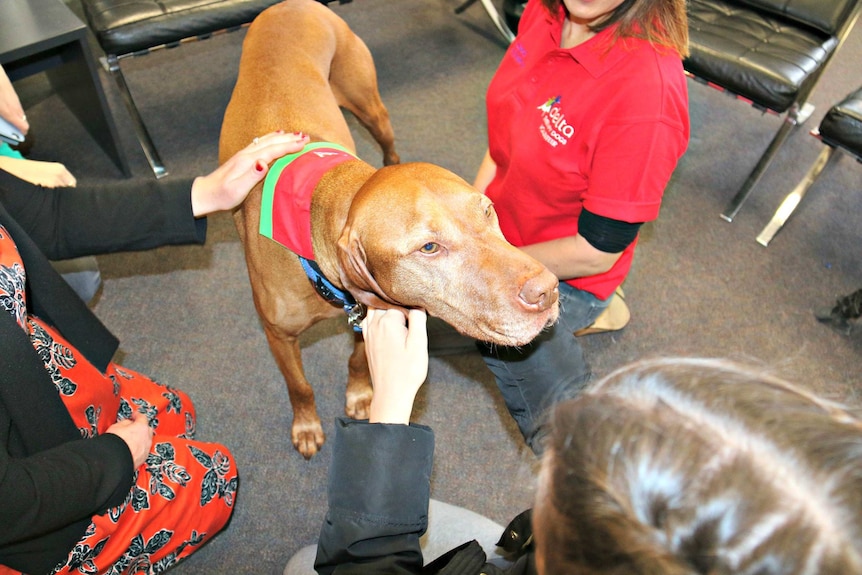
430, 248
489, 211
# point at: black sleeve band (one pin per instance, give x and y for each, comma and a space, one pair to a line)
605, 234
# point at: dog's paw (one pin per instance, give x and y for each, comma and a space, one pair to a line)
307, 438
391, 158
358, 405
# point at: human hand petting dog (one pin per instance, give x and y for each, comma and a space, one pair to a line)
397, 350
227, 186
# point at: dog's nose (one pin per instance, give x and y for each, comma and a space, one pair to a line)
540, 292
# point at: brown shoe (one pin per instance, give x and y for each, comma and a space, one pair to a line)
615, 317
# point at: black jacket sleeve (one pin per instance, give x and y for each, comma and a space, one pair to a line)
40, 497
379, 488
125, 215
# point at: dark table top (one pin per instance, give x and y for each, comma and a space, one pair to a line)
28, 27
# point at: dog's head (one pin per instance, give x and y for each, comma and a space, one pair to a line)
418, 236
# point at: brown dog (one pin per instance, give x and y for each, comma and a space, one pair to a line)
410, 235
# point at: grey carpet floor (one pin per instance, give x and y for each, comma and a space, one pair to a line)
699, 286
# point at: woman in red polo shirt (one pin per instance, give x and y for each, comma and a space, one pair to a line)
587, 118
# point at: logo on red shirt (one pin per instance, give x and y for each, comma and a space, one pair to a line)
553, 127
518, 53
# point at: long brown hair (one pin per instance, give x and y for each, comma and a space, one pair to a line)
662, 22
701, 466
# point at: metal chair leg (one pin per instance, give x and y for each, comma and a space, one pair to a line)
158, 167
498, 21
794, 118
793, 198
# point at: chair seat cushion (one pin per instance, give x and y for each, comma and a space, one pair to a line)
126, 26
758, 56
825, 15
842, 124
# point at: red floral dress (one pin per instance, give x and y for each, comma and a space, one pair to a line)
185, 491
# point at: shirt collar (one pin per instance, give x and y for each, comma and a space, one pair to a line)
594, 54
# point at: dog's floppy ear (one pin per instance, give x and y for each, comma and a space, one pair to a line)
355, 276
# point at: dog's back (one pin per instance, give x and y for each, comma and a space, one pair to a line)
300, 64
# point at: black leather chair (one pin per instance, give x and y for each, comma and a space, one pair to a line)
770, 53
840, 129
137, 27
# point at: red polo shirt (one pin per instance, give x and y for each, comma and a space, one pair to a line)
599, 126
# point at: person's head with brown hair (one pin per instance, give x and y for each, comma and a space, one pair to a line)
699, 466
662, 22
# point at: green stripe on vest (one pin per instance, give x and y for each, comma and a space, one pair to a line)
272, 179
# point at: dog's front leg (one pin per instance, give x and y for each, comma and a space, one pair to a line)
358, 396
306, 432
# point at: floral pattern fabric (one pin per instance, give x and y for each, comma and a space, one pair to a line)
183, 494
